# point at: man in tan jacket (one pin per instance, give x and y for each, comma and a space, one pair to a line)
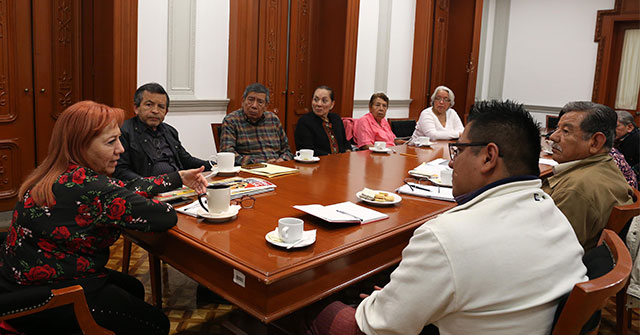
586, 183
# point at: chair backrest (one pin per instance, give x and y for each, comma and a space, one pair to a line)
402, 128
552, 122
621, 215
590, 296
216, 129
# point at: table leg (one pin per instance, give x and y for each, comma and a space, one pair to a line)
156, 280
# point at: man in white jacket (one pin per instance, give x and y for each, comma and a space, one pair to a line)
495, 264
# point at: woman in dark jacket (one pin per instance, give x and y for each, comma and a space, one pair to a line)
319, 129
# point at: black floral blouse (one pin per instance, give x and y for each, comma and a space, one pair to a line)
70, 240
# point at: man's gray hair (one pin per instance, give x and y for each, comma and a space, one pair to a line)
452, 97
625, 118
257, 88
599, 118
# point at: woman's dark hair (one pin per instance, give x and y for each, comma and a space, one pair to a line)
380, 95
325, 87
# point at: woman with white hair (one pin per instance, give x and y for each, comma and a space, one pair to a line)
440, 121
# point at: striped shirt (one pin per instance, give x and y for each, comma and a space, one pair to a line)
254, 142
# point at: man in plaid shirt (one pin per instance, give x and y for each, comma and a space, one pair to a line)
254, 134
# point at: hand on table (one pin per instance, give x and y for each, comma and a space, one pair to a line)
194, 179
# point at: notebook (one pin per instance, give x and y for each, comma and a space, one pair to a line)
271, 170
427, 191
344, 212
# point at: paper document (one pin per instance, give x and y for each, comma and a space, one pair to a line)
547, 161
430, 169
271, 170
343, 212
427, 191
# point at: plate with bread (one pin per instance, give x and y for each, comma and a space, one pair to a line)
378, 197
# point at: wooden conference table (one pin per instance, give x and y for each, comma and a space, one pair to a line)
234, 259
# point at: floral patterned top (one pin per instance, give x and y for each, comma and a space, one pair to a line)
70, 240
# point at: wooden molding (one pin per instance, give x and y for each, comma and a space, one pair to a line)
350, 52
421, 57
623, 10
125, 52
243, 49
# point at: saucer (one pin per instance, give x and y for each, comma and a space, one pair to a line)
424, 144
308, 238
230, 214
384, 151
302, 160
396, 199
234, 170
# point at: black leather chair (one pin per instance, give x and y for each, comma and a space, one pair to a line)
402, 128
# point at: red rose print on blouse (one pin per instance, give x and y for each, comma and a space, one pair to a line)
46, 245
40, 273
143, 193
61, 233
13, 236
158, 181
97, 204
78, 176
82, 264
63, 179
83, 218
28, 203
116, 208
15, 216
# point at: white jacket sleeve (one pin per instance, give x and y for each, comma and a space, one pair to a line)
421, 290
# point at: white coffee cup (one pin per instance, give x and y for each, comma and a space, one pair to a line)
305, 154
225, 161
424, 140
218, 198
290, 229
446, 176
380, 145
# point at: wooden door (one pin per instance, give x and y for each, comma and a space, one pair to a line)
17, 154
57, 64
291, 47
446, 49
610, 29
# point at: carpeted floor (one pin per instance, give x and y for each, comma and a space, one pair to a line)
188, 317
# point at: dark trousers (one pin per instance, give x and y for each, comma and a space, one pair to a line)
116, 304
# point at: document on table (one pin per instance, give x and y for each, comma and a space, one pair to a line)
547, 161
343, 212
271, 170
427, 191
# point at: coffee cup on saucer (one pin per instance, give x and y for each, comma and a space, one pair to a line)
380, 145
424, 140
290, 229
218, 198
305, 154
225, 161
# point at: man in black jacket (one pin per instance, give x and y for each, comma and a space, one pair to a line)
628, 139
151, 146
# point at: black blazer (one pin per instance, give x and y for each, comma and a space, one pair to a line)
310, 134
134, 162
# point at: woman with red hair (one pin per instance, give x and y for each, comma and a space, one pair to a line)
68, 215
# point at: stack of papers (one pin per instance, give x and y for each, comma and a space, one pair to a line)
271, 170
247, 186
547, 161
430, 169
346, 212
427, 191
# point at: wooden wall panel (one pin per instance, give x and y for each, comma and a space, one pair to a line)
57, 37
243, 49
421, 67
17, 153
610, 24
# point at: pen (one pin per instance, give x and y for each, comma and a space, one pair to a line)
420, 188
411, 187
408, 155
351, 215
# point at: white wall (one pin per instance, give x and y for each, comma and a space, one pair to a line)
370, 60
551, 55
211, 61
